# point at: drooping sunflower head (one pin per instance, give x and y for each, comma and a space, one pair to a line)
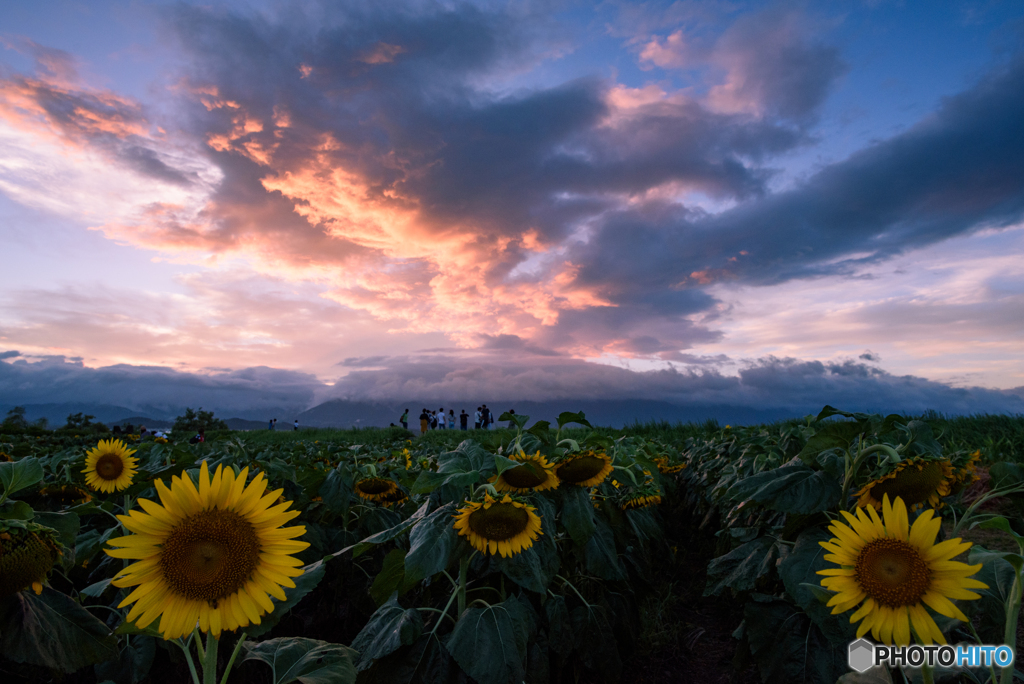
109, 467
665, 467
26, 555
965, 472
585, 469
211, 555
917, 481
640, 500
5, 457
503, 527
408, 459
66, 494
376, 488
535, 474
893, 571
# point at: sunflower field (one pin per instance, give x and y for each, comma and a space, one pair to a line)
528, 554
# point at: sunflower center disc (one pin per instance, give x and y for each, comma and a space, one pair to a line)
109, 466
892, 572
499, 522
580, 469
525, 476
210, 555
913, 484
374, 485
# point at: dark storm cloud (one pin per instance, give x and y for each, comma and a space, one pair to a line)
59, 380
958, 170
789, 385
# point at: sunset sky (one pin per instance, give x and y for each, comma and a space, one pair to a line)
738, 203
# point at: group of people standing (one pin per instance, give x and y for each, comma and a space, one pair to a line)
438, 420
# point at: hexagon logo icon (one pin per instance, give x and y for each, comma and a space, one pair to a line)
860, 655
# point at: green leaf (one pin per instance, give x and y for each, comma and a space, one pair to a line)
793, 488
542, 430
501, 464
740, 569
386, 535
67, 526
391, 578
490, 643
428, 480
1006, 474
560, 634
921, 439
430, 544
425, 662
133, 662
304, 584
297, 659
990, 609
1002, 524
517, 419
830, 436
16, 475
595, 642
799, 570
788, 647
16, 510
336, 491
388, 629
600, 555
533, 568
566, 417
53, 631
577, 513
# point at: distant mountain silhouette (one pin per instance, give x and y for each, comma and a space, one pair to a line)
609, 413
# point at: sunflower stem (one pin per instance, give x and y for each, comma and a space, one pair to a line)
188, 658
210, 659
927, 674
231, 661
463, 576
1012, 611
198, 638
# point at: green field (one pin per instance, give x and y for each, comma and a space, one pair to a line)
655, 553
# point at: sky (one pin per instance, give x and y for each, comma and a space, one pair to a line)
723, 203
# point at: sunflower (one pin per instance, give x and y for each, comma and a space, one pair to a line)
666, 468
26, 555
916, 480
376, 488
506, 527
66, 493
5, 457
896, 570
109, 467
209, 554
535, 474
586, 469
640, 501
966, 474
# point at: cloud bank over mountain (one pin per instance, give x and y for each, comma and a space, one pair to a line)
781, 385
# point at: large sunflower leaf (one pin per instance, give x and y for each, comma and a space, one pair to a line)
67, 526
297, 659
578, 513
490, 643
533, 568
990, 609
53, 631
304, 583
595, 642
336, 491
831, 436
789, 647
386, 535
800, 568
391, 578
600, 555
425, 662
559, 627
16, 475
430, 544
740, 568
792, 488
390, 628
427, 481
